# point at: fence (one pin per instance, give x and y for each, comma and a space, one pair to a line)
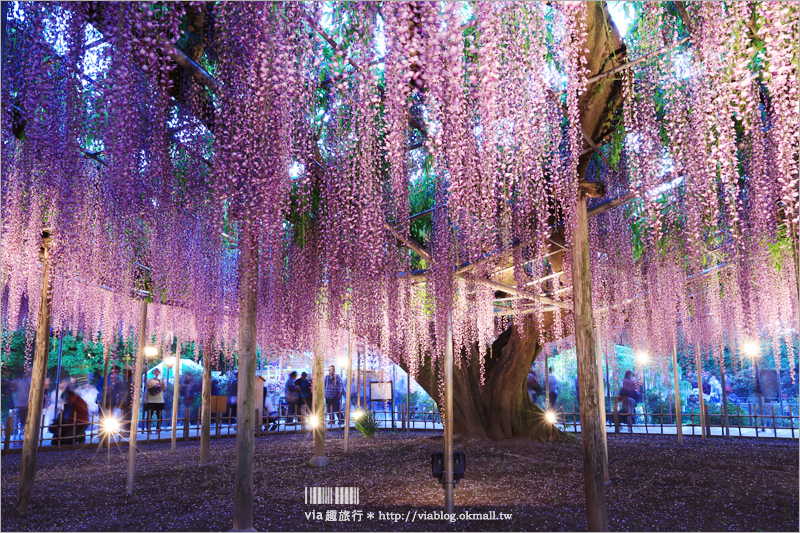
74, 436
742, 420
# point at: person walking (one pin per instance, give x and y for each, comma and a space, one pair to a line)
631, 397
334, 390
552, 384
304, 392
154, 401
292, 397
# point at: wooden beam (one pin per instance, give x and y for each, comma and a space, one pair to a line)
30, 445
629, 64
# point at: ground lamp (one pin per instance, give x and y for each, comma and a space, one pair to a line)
550, 416
109, 427
459, 466
751, 349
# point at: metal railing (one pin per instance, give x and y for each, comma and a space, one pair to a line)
223, 424
746, 421
750, 423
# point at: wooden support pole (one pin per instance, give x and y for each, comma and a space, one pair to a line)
724, 409
246, 393
205, 413
676, 378
106, 357
176, 396
30, 451
699, 365
137, 397
591, 430
348, 394
318, 420
447, 421
408, 400
602, 399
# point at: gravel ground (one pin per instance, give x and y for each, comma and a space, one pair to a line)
724, 484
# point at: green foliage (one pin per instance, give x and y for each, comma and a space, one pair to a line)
367, 425
80, 356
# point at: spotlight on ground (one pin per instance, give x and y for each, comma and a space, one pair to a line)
109, 425
550, 416
357, 414
313, 421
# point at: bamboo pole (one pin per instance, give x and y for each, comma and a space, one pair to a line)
447, 421
591, 432
246, 393
602, 400
176, 396
676, 378
205, 413
699, 364
30, 451
137, 396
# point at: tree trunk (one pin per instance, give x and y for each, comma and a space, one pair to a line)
500, 409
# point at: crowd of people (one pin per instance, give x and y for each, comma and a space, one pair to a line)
298, 392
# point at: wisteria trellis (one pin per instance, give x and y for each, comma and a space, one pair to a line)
148, 190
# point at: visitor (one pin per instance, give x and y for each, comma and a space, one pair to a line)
292, 397
630, 395
20, 390
73, 420
232, 400
552, 383
270, 413
187, 390
154, 400
126, 400
114, 389
334, 389
304, 392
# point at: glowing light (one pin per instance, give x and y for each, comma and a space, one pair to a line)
313, 421
341, 362
150, 351
643, 358
169, 361
751, 349
357, 414
109, 425
550, 416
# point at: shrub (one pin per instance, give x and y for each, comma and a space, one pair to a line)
367, 425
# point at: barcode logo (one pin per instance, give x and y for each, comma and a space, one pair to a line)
332, 495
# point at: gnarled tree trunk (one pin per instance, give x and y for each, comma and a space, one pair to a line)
500, 408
